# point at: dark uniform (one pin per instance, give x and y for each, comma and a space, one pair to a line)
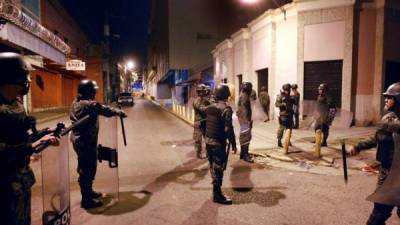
285, 104
199, 105
219, 128
84, 139
324, 117
16, 177
264, 101
244, 115
383, 140
296, 106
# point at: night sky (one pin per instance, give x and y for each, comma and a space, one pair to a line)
128, 19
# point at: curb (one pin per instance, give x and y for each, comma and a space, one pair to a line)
184, 120
44, 120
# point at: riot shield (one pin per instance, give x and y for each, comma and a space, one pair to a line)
107, 180
389, 192
55, 184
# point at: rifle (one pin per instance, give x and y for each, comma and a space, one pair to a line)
60, 131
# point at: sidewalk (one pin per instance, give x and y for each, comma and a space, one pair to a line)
45, 116
264, 144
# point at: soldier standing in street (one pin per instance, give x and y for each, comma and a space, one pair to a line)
199, 105
84, 139
244, 114
16, 146
264, 101
383, 140
296, 106
325, 114
219, 129
285, 104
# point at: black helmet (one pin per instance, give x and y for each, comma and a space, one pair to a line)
201, 88
294, 86
286, 87
15, 70
87, 89
323, 87
393, 91
263, 88
222, 92
247, 87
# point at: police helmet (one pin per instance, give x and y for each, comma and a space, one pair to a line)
247, 87
393, 91
286, 87
323, 87
87, 89
15, 70
222, 92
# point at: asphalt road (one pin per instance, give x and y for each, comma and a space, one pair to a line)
161, 182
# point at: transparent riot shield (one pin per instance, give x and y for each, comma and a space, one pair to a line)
55, 184
339, 118
106, 180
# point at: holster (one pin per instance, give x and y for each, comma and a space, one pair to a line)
108, 154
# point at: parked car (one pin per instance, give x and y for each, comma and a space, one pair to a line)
125, 99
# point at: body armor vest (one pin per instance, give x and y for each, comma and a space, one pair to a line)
215, 125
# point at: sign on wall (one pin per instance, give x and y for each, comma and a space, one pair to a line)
76, 65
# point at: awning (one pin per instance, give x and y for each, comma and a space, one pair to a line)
13, 34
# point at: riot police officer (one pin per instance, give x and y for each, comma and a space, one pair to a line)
325, 113
219, 129
199, 105
296, 106
383, 140
16, 146
244, 114
285, 104
84, 138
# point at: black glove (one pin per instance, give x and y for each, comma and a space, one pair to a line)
122, 114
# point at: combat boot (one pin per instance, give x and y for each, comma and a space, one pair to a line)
95, 194
280, 143
89, 203
244, 154
377, 219
218, 197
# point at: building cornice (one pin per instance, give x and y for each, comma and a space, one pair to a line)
311, 5
12, 13
242, 34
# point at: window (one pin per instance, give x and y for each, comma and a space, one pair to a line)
31, 8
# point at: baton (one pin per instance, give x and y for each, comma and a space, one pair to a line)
123, 129
344, 157
227, 154
122, 126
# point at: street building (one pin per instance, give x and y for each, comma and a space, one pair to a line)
49, 37
350, 45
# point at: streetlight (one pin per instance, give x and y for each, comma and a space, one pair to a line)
249, 1
130, 65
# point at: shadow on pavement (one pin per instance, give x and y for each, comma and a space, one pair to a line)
128, 202
243, 191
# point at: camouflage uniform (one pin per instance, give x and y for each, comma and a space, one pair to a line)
84, 139
199, 106
16, 177
244, 114
384, 142
322, 120
264, 102
285, 105
219, 129
296, 106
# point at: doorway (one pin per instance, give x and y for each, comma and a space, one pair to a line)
262, 79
